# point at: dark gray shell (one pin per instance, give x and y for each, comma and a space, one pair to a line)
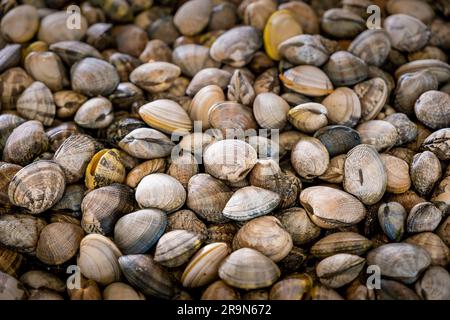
338, 139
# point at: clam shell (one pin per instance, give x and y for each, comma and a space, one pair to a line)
58, 242
20, 232
342, 23
203, 268
207, 197
138, 231
159, 190
364, 174
248, 269
229, 159
72, 198
380, 134
203, 101
7, 172
344, 69
146, 143
74, 155
232, 118
440, 69
391, 217
250, 202
11, 288
102, 208
340, 269
144, 169
401, 261
341, 242
265, 234
297, 222
309, 157
155, 76
338, 139
439, 143
176, 247
36, 103
206, 77
219, 290
183, 167
425, 171
372, 46
92, 77
373, 95
105, 168
307, 49
187, 220
47, 67
423, 217
10, 261
406, 129
20, 24
335, 170
331, 208
304, 14
291, 289
397, 171
68, 102
191, 58
393, 290
308, 117
434, 284
436, 248
88, 290
307, 80
95, 113
240, 88
54, 28
72, 51
13, 82
38, 186
320, 292
166, 116
343, 107
98, 259
193, 16
58, 134
121, 291
407, 33
432, 109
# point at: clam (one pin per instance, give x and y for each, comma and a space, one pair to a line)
406, 129
187, 220
407, 199
434, 284
166, 116
68, 102
203, 101
364, 174
229, 159
394, 290
54, 28
343, 107
305, 15
124, 64
308, 117
191, 58
58, 134
219, 290
74, 155
20, 232
320, 292
436, 248
240, 88
438, 143
193, 16
309, 157
397, 172
58, 242
7, 172
9, 56
138, 231
203, 268
248, 269
207, 77
418, 9
337, 139
36, 103
265, 234
307, 80
72, 198
373, 95
335, 170
14, 82
121, 291
339, 243
208, 196
372, 46
130, 39
359, 291
294, 288
340, 269
223, 16
183, 167
72, 51
342, 23
343, 69
20, 24
401, 261
391, 217
279, 20
159, 190
439, 69
250, 202
121, 127
156, 50
307, 49
92, 77
423, 217
88, 290
232, 118
146, 143
425, 172
38, 186
407, 33
431, 110
260, 294
47, 67
236, 46
256, 13
145, 168
105, 168
380, 134
98, 259
10, 261
267, 82
440, 196
11, 288
176, 247
102, 208
332, 208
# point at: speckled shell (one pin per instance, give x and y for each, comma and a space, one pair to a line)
20, 232
105, 168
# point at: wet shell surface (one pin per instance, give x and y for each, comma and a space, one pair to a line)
248, 269
343, 107
175, 248
38, 186
392, 217
307, 80
340, 269
105, 168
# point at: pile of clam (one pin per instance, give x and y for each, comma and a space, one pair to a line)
127, 172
